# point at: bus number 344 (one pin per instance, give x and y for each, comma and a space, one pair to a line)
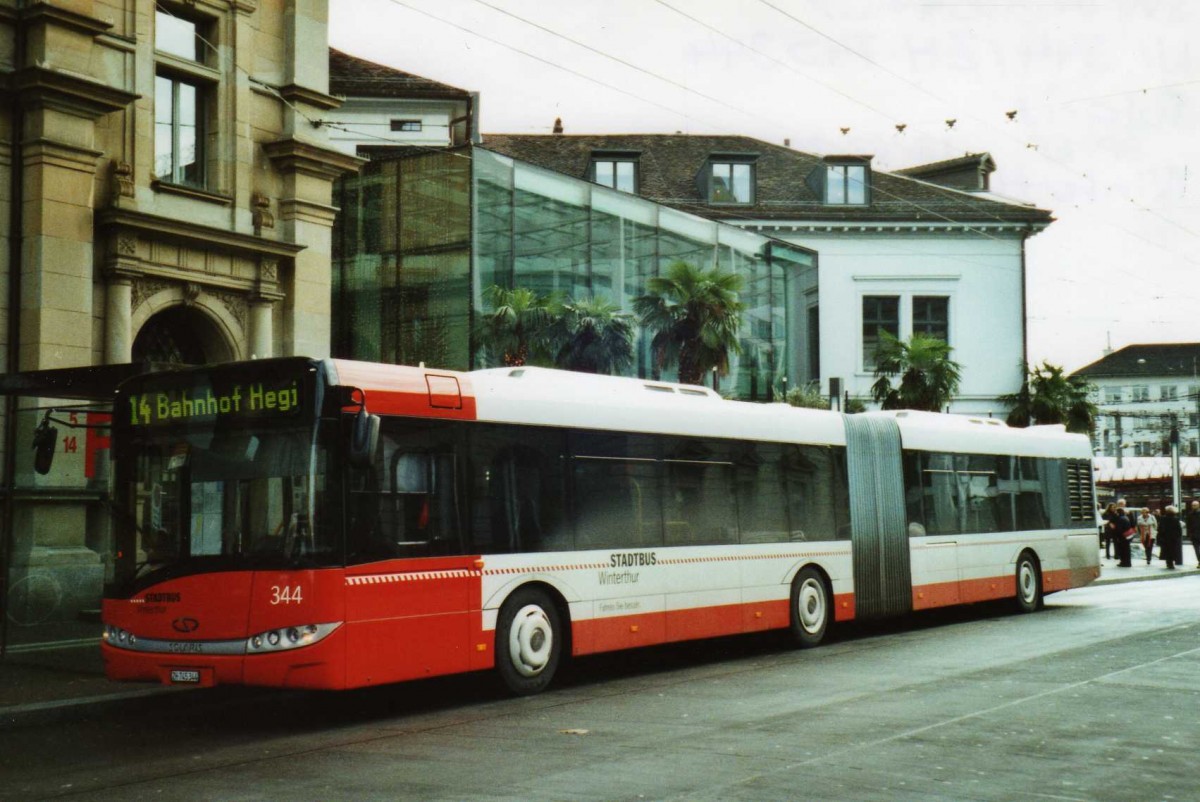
285, 594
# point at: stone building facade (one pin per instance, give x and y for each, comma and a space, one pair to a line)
165, 196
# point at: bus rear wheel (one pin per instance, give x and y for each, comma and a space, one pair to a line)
1029, 584
529, 639
810, 608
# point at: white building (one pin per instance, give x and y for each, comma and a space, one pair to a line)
383, 106
927, 249
1142, 391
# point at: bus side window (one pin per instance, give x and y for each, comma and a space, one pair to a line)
517, 489
761, 498
406, 503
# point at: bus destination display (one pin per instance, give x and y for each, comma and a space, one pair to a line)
253, 399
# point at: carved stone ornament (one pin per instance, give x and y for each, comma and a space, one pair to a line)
261, 214
122, 183
191, 291
144, 288
236, 303
127, 245
268, 270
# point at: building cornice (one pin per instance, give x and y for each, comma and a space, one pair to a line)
46, 14
41, 87
295, 155
194, 234
293, 93
884, 227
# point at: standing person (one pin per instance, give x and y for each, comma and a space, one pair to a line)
1147, 528
1123, 527
1110, 529
1170, 537
1193, 528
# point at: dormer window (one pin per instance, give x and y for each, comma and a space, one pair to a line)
731, 182
846, 184
618, 172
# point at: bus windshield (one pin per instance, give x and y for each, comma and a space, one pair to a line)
227, 492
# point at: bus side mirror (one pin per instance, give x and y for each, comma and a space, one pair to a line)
45, 437
364, 439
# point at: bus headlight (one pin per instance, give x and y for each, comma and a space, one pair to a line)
278, 640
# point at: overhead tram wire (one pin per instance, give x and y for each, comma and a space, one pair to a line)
621, 61
548, 62
1066, 168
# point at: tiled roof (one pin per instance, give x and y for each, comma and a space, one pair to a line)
1149, 359
668, 166
350, 76
971, 160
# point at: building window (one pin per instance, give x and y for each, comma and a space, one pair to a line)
1112, 395
1141, 392
846, 184
183, 85
178, 131
880, 313
407, 126
616, 173
177, 36
1168, 392
931, 316
731, 182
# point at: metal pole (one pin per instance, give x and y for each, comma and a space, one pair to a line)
1175, 478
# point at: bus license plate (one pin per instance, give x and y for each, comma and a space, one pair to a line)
185, 676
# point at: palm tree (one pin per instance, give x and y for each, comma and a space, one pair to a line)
1048, 396
929, 378
694, 316
514, 330
591, 336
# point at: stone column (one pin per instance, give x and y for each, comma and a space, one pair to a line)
261, 336
118, 319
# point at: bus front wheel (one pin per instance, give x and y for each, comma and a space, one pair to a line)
811, 608
528, 641
1029, 583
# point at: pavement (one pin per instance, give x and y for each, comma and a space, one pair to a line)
68, 684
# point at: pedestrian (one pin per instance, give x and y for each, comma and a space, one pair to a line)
1123, 527
1110, 529
1147, 528
1193, 528
1170, 537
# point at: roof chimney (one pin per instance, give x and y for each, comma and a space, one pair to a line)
558, 125
787, 143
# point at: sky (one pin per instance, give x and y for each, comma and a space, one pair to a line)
1106, 95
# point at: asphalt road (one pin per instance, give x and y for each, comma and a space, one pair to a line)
1095, 698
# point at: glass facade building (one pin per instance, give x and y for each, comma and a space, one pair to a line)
422, 236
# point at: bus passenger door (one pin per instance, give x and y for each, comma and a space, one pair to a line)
882, 574
411, 592
932, 501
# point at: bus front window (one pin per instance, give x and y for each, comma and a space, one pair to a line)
225, 500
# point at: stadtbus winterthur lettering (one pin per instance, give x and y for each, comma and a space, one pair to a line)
255, 398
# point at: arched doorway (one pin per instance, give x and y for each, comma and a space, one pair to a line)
181, 335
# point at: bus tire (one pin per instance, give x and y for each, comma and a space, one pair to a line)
811, 608
1029, 583
529, 641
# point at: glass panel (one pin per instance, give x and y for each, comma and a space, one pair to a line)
810, 481
164, 131
189, 169
617, 490
626, 177
880, 313
517, 490
931, 316
835, 184
604, 173
978, 481
177, 37
699, 483
856, 184
720, 189
760, 493
1031, 503
742, 183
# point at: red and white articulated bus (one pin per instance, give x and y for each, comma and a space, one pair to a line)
332, 524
